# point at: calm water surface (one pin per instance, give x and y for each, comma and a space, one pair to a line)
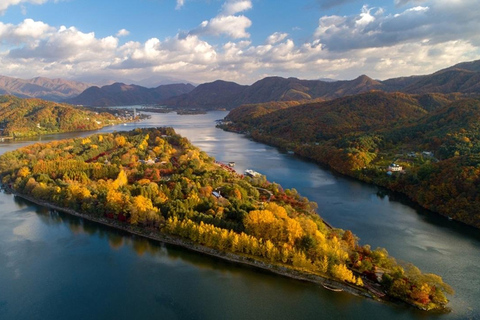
54, 266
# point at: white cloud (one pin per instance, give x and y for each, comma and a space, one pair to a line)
180, 4
417, 40
226, 22
4, 4
232, 7
123, 33
26, 31
365, 17
65, 45
440, 21
276, 37
232, 26
189, 50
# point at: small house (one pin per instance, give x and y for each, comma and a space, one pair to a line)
395, 168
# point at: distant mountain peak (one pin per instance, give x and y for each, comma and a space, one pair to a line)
469, 65
121, 94
365, 79
41, 87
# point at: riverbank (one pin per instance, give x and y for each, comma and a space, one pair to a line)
420, 192
35, 134
228, 256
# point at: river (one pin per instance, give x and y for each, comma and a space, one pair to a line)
55, 266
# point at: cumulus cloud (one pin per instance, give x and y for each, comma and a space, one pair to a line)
413, 40
34, 48
276, 37
27, 30
4, 4
123, 33
232, 7
176, 55
232, 26
441, 21
66, 45
226, 22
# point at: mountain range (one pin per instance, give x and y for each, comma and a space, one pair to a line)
43, 88
119, 94
463, 78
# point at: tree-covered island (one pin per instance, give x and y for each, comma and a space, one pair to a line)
153, 182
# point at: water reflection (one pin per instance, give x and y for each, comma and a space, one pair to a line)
248, 280
116, 241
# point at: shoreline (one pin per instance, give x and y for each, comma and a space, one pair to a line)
351, 176
228, 256
28, 137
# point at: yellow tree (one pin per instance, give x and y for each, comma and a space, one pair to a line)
120, 141
23, 172
299, 260
261, 224
340, 271
321, 265
121, 180
141, 209
115, 201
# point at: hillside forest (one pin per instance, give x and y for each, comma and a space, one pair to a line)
30, 117
156, 181
426, 146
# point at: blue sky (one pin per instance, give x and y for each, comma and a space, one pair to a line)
152, 41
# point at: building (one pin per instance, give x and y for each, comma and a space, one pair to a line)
252, 173
395, 168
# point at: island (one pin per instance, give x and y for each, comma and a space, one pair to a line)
155, 183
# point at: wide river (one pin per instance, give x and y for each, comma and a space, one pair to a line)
54, 266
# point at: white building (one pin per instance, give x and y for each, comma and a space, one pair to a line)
395, 168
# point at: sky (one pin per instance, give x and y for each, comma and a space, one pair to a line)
149, 42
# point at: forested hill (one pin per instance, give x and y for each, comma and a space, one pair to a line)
229, 95
433, 138
332, 119
154, 182
120, 94
209, 96
461, 79
29, 117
